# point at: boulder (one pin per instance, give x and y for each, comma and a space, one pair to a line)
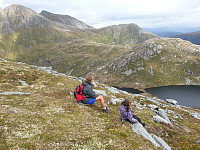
172, 101
198, 141
114, 101
138, 128
175, 115
195, 115
23, 83
100, 92
152, 107
161, 142
159, 119
15, 93
112, 90
163, 114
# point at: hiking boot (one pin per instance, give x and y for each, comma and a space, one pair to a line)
106, 110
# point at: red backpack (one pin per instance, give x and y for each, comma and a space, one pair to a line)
78, 93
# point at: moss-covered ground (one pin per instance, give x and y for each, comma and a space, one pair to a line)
50, 117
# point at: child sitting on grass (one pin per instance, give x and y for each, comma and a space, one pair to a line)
127, 113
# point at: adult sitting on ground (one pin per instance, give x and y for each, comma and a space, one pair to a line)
127, 113
91, 96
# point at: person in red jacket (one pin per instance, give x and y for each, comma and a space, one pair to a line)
91, 96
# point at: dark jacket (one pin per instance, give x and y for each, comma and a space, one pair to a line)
127, 115
88, 92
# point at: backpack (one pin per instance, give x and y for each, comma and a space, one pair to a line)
78, 93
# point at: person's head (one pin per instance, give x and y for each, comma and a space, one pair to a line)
89, 79
126, 103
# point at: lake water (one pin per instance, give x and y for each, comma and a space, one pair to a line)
186, 95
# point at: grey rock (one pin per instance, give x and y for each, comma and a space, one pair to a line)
101, 92
195, 115
163, 114
3, 59
151, 70
175, 115
23, 83
188, 81
138, 106
172, 101
114, 101
128, 72
138, 128
94, 84
15, 93
159, 119
198, 141
112, 89
161, 142
152, 107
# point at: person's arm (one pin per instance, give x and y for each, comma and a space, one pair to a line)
91, 93
130, 117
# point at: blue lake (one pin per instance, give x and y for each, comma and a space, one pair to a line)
187, 95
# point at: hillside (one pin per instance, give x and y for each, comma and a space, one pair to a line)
60, 40
75, 57
123, 34
122, 55
38, 112
155, 62
193, 37
23, 28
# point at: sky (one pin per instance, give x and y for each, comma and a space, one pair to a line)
172, 14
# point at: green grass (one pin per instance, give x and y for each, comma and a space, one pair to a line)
50, 118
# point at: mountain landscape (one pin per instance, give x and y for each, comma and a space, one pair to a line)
38, 110
193, 37
155, 62
63, 42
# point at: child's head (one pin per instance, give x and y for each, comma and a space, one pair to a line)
127, 103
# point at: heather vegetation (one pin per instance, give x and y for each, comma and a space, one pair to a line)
38, 110
50, 118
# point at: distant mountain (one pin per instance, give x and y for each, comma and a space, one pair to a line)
162, 32
17, 17
166, 34
121, 55
123, 34
65, 20
193, 37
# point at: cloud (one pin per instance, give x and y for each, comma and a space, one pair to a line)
145, 13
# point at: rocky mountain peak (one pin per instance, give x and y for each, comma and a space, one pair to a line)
15, 17
65, 20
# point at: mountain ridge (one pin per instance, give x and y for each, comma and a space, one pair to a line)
66, 47
65, 19
193, 37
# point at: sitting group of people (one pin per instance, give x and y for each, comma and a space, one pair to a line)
91, 97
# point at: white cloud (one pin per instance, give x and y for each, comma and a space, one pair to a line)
99, 13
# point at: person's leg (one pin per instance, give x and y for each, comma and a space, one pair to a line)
100, 98
138, 119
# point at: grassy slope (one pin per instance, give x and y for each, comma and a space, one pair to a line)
12, 44
124, 34
78, 56
170, 66
50, 118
